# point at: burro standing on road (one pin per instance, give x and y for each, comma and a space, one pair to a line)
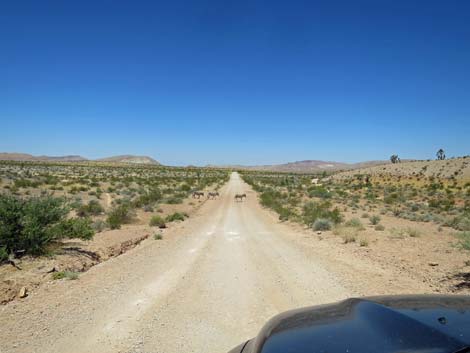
212, 195
239, 197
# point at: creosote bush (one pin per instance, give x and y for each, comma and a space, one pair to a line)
379, 227
355, 223
174, 200
276, 201
177, 216
93, 208
320, 192
3, 254
65, 274
148, 198
314, 210
374, 220
464, 240
30, 225
461, 222
157, 221
121, 214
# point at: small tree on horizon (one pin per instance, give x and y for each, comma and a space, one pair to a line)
440, 155
394, 159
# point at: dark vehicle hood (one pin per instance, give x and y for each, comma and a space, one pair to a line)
431, 324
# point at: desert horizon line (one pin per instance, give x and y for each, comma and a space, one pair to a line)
155, 160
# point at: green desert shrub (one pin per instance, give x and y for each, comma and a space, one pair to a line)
319, 191
322, 224
379, 227
277, 201
73, 228
65, 274
442, 203
148, 198
3, 254
461, 222
185, 187
315, 210
374, 220
284, 213
464, 240
173, 200
26, 183
121, 214
413, 232
177, 216
93, 208
271, 198
354, 223
391, 198
157, 221
32, 224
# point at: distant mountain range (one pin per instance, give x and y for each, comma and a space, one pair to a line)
307, 166
116, 159
129, 159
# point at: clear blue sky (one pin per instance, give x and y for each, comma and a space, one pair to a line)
196, 82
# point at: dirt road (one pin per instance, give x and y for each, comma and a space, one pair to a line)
210, 283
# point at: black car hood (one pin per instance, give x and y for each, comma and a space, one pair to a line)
432, 324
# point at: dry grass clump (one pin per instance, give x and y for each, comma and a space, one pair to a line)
374, 220
70, 275
347, 233
355, 223
363, 242
400, 233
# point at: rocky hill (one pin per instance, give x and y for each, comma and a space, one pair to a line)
455, 168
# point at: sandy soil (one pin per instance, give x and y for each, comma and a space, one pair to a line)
211, 283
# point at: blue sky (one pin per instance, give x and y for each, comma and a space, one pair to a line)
252, 82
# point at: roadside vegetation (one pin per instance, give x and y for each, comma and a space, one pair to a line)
413, 216
42, 204
352, 202
29, 226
